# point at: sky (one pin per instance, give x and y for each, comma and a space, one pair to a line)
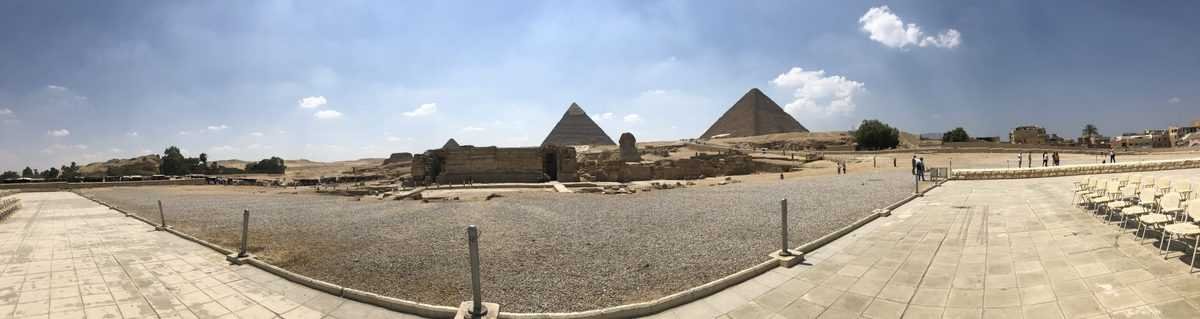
87, 81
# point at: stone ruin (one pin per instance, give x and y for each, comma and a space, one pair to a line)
696, 167
470, 164
404, 157
629, 151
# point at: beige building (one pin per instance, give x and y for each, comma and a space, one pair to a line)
1029, 134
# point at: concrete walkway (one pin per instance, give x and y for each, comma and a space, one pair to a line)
63, 256
975, 249
971, 249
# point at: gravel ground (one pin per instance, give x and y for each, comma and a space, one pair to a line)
541, 252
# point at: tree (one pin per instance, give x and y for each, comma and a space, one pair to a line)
173, 162
9, 175
69, 172
958, 134
51, 173
203, 158
1090, 130
27, 172
273, 165
875, 135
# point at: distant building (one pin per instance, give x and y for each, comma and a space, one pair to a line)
1145, 139
1176, 135
1029, 134
993, 139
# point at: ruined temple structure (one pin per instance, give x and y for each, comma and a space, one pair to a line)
753, 114
576, 128
398, 158
492, 164
629, 151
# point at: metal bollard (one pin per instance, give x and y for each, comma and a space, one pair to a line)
477, 310
161, 216
917, 183
783, 228
245, 233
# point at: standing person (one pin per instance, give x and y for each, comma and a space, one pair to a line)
1056, 159
1020, 159
1112, 156
1045, 159
1030, 156
914, 164
921, 168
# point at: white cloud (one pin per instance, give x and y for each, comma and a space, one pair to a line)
472, 129
217, 127
817, 93
886, 27
1173, 100
256, 134
114, 150
56, 87
327, 114
184, 133
132, 134
59, 132
605, 116
632, 119
313, 102
6, 112
423, 110
393, 139
225, 148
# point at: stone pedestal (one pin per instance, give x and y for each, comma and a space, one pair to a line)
788, 261
234, 259
493, 311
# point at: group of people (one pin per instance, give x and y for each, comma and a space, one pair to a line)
1048, 159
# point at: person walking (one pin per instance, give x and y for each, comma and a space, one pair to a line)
1112, 156
1020, 159
1045, 159
914, 164
1056, 159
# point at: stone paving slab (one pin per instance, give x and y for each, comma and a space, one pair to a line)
63, 256
976, 249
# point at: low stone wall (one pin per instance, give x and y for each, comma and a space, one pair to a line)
57, 186
1072, 170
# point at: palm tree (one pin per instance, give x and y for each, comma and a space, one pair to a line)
1090, 130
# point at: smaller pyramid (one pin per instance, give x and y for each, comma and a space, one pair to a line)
451, 144
754, 114
577, 128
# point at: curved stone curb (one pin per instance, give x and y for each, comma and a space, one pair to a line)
8, 206
623, 311
1073, 170
401, 305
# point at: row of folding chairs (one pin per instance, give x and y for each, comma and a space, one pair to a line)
1155, 204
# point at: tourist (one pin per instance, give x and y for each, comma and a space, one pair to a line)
1045, 159
1112, 156
1020, 159
914, 164
1056, 159
921, 169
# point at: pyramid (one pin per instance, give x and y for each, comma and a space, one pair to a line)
754, 114
451, 144
576, 128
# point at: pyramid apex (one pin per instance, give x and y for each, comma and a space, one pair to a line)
451, 144
575, 109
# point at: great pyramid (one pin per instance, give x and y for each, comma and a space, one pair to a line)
576, 128
754, 114
451, 144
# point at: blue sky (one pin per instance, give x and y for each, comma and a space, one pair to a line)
328, 80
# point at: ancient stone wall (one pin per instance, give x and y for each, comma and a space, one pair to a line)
495, 165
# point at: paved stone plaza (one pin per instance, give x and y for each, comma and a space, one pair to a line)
970, 249
975, 249
64, 256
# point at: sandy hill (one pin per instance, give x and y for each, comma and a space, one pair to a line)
141, 165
